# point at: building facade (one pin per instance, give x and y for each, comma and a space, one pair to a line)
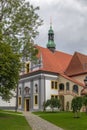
56, 74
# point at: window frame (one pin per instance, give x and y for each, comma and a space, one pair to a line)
75, 88
27, 67
67, 86
19, 101
36, 100
54, 84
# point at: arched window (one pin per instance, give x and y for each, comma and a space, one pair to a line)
75, 88
67, 85
61, 86
27, 90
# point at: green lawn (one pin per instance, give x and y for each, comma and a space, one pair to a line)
65, 120
13, 121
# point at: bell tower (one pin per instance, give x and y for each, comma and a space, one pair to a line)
51, 45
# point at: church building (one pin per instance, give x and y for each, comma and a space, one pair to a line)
56, 74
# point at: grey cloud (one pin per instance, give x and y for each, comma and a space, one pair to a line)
69, 25
83, 2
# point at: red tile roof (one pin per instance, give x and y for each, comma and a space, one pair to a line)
78, 65
54, 61
62, 63
73, 80
84, 91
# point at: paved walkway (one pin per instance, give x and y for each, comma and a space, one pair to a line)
38, 123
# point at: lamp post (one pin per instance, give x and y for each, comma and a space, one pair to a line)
85, 81
84, 90
85, 93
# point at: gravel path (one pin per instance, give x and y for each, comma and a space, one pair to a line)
38, 123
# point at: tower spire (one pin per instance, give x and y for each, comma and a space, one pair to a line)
50, 22
51, 45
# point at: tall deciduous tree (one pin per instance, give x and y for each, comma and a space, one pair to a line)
9, 71
19, 22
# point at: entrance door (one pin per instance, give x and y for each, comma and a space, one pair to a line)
27, 104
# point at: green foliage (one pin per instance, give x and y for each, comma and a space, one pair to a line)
65, 120
19, 22
53, 102
9, 71
76, 105
85, 102
13, 121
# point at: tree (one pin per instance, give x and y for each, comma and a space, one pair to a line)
18, 25
9, 71
53, 102
85, 102
76, 105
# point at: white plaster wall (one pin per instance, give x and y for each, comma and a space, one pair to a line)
34, 93
50, 91
36, 68
20, 85
11, 103
53, 76
26, 84
35, 82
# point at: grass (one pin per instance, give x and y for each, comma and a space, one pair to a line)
65, 120
13, 121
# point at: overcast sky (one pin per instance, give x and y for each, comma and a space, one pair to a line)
69, 22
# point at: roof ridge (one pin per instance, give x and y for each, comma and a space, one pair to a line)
78, 54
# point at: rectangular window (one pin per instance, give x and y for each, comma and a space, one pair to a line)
54, 96
36, 100
54, 84
19, 103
